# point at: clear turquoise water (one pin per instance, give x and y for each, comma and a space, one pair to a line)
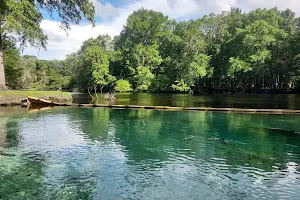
78, 153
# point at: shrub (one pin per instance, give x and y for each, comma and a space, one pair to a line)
123, 86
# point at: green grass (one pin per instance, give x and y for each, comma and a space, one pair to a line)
15, 96
17, 93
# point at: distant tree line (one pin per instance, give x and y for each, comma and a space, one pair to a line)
231, 51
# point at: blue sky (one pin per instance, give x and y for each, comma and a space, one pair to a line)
111, 16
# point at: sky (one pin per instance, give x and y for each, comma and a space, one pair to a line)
111, 16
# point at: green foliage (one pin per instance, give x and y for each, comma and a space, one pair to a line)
146, 56
123, 86
161, 83
30, 73
20, 22
89, 68
13, 68
22, 18
181, 86
228, 51
104, 41
237, 65
143, 78
68, 12
97, 58
199, 67
143, 27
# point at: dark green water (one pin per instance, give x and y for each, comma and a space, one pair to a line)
272, 101
96, 153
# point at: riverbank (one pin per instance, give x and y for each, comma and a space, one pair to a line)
15, 97
41, 102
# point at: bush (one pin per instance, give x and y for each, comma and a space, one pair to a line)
123, 86
161, 83
181, 86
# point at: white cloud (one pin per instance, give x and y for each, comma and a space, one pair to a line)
60, 45
281, 4
105, 10
205, 6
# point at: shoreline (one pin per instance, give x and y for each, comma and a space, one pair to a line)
42, 103
18, 98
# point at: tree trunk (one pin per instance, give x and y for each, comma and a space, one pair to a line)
2, 74
95, 90
90, 93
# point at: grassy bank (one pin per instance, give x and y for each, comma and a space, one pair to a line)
14, 97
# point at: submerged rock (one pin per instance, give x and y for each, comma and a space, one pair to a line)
6, 154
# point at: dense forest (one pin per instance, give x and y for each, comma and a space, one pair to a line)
231, 51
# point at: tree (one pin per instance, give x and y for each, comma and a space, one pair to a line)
139, 43
181, 86
145, 60
22, 19
29, 75
97, 60
143, 78
255, 42
143, 27
192, 62
237, 65
232, 50
197, 68
104, 41
13, 68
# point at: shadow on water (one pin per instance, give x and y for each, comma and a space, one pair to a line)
159, 132
3, 132
100, 153
255, 101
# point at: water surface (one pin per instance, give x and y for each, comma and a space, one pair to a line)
272, 101
98, 153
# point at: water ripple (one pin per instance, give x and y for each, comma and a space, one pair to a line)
123, 154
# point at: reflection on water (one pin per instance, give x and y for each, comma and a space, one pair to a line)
285, 101
2, 132
97, 153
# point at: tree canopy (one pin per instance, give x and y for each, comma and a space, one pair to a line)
20, 21
231, 51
